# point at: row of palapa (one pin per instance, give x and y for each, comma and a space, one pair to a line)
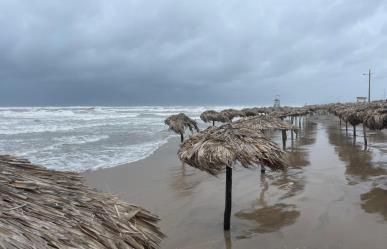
219, 149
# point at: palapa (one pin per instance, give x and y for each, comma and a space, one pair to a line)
214, 116
217, 149
42, 208
232, 113
179, 122
214, 149
264, 122
267, 122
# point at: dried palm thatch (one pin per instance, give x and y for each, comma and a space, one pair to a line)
255, 111
179, 122
286, 111
214, 116
232, 113
43, 208
264, 122
376, 120
214, 149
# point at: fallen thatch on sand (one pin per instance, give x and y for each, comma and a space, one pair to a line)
214, 149
43, 208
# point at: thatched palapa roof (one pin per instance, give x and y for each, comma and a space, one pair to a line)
254, 111
232, 113
214, 149
377, 119
43, 208
214, 116
264, 122
179, 122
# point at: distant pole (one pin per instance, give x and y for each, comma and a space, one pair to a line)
369, 85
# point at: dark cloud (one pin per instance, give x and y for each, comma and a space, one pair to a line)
121, 52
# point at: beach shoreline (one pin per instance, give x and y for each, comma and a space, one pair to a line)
324, 192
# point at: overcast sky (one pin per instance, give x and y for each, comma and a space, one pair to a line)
161, 52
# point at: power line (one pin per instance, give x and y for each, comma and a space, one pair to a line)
380, 77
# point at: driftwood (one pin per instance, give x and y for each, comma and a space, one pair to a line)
43, 208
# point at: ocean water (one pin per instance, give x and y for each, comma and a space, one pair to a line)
87, 138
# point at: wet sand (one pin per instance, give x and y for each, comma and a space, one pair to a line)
333, 195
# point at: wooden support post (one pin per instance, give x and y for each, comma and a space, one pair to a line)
263, 170
291, 131
227, 210
284, 137
365, 136
354, 133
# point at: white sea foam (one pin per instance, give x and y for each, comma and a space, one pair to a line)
82, 138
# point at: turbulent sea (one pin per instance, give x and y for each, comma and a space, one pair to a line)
83, 138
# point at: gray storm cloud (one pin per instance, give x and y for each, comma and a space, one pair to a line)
121, 52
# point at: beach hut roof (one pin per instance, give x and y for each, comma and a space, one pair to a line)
264, 122
376, 119
232, 113
214, 149
255, 111
214, 116
179, 122
42, 208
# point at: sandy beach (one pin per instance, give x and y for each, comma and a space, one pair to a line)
333, 195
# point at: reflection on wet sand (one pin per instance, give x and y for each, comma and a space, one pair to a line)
313, 204
361, 169
375, 201
359, 166
270, 218
308, 133
292, 181
267, 218
298, 158
185, 179
227, 240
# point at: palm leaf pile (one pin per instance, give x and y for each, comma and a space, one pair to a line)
43, 208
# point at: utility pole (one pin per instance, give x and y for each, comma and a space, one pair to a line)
369, 84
